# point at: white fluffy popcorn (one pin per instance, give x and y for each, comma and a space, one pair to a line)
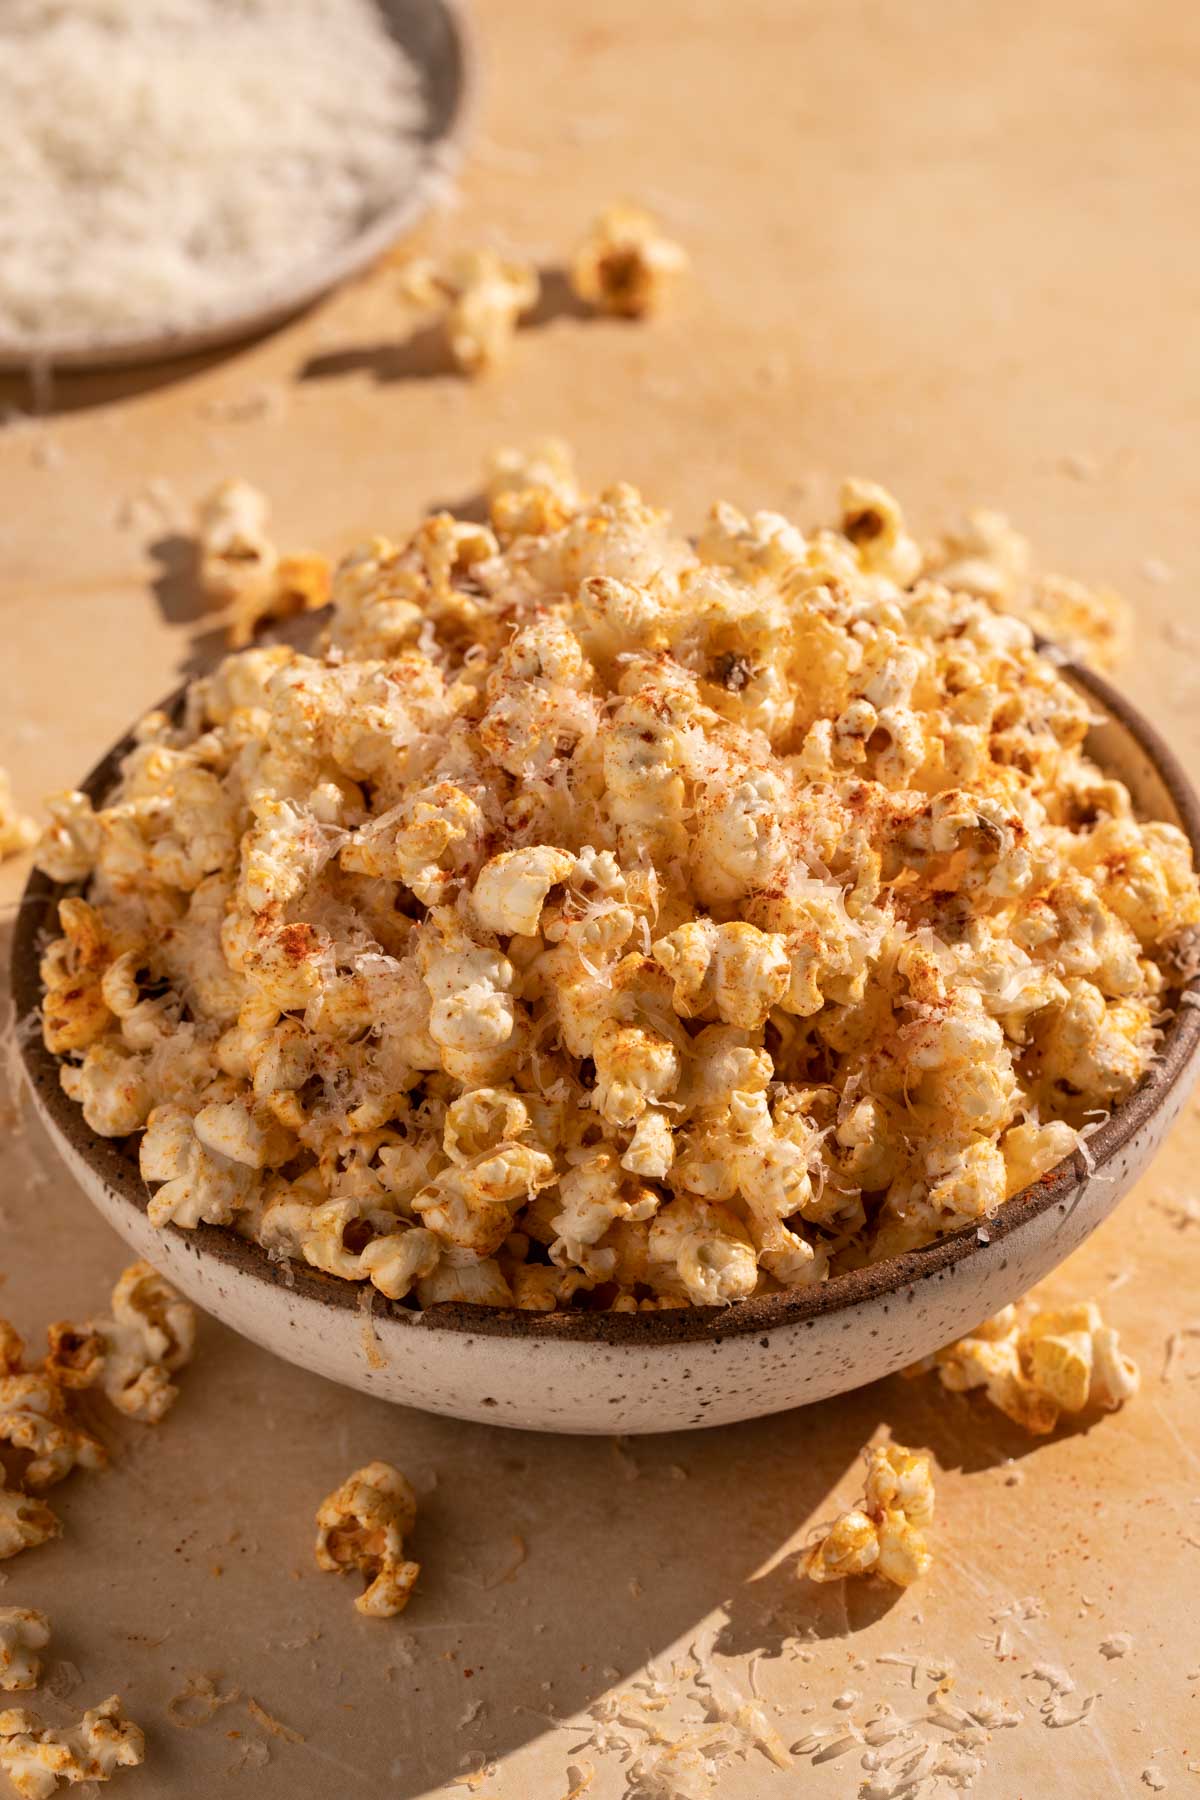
131, 1352
1036, 1366
23, 1632
884, 1535
480, 297
626, 264
605, 919
362, 1525
26, 1522
36, 1757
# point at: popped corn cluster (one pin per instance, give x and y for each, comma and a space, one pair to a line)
1054, 1360
242, 571
36, 1757
480, 299
129, 1354
23, 1632
606, 919
883, 1535
18, 833
362, 1525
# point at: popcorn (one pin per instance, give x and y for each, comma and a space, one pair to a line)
1056, 1361
362, 1525
985, 556
241, 569
25, 1523
36, 1757
17, 832
132, 1352
883, 1536
626, 265
33, 1419
603, 913
23, 1632
481, 297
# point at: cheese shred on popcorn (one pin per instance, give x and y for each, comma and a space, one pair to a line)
605, 919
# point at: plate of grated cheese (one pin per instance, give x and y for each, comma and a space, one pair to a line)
177, 174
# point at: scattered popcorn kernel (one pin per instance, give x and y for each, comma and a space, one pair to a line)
34, 1419
298, 584
17, 832
884, 1535
1055, 1360
36, 1757
481, 298
601, 916
362, 1525
25, 1523
241, 569
132, 1352
23, 1632
626, 265
236, 552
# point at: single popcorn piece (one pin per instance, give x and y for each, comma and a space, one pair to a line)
362, 1525
481, 297
985, 556
626, 265
235, 549
132, 1352
17, 832
1056, 1360
23, 1632
601, 917
883, 1535
241, 568
26, 1522
36, 1757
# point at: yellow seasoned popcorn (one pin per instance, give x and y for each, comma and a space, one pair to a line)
17, 832
23, 1632
884, 1535
480, 297
26, 1522
985, 556
36, 1757
362, 1525
241, 569
626, 265
605, 919
131, 1352
1054, 1361
34, 1420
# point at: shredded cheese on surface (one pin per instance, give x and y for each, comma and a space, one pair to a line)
162, 159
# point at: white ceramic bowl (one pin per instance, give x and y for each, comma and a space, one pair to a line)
435, 36
620, 1372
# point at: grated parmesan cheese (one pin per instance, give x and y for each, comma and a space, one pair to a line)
161, 158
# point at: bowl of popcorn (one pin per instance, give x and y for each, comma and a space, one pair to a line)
618, 981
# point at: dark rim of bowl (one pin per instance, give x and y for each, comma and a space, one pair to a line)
115, 1160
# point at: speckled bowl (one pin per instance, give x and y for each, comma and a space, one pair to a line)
436, 36
620, 1372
